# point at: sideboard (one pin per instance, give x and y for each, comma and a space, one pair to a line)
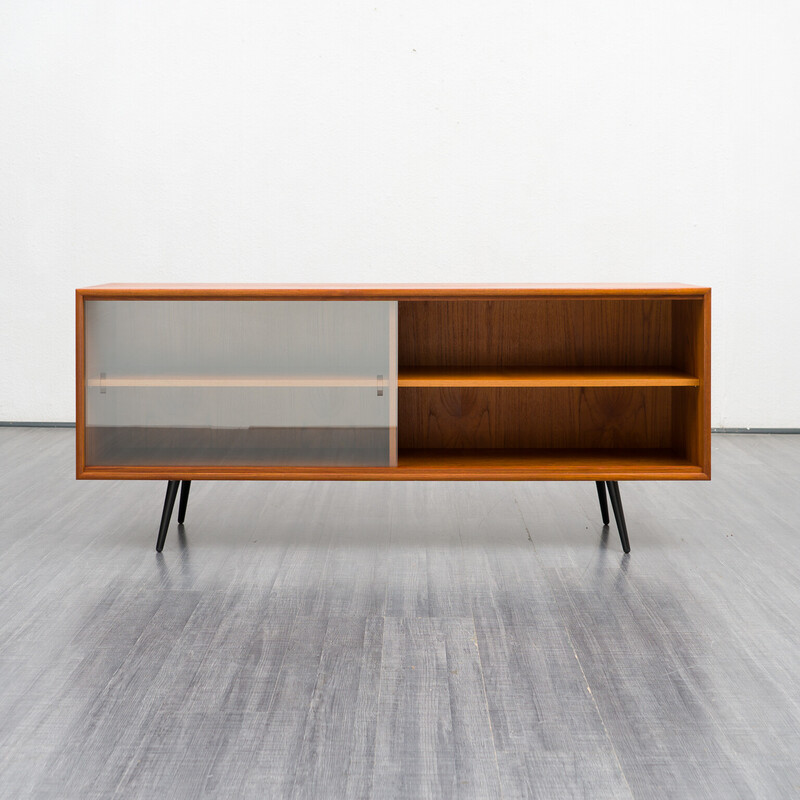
183, 382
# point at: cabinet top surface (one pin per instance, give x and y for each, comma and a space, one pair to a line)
388, 291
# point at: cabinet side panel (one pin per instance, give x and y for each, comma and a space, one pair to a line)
706, 386
80, 378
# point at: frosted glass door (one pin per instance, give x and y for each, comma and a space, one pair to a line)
241, 382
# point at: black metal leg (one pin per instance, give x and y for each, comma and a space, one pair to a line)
185, 486
601, 496
166, 514
619, 516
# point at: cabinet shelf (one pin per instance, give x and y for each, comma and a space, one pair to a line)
204, 381
458, 463
431, 377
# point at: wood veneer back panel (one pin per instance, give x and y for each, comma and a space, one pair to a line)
629, 417
565, 332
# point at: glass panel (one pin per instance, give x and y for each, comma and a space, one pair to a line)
241, 382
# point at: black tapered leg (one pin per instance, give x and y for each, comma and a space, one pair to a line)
601, 496
166, 514
185, 486
619, 516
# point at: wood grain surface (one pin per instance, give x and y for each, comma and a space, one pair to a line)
384, 291
530, 418
551, 332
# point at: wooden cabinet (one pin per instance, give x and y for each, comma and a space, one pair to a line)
531, 382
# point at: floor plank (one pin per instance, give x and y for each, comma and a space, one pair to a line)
338, 750
434, 738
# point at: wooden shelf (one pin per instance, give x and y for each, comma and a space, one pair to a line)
410, 377
204, 381
456, 463
432, 377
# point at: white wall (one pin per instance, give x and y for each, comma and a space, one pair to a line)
517, 140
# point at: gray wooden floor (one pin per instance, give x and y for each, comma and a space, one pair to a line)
381, 640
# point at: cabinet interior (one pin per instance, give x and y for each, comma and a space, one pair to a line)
577, 377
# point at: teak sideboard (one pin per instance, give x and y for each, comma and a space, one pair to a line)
187, 382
